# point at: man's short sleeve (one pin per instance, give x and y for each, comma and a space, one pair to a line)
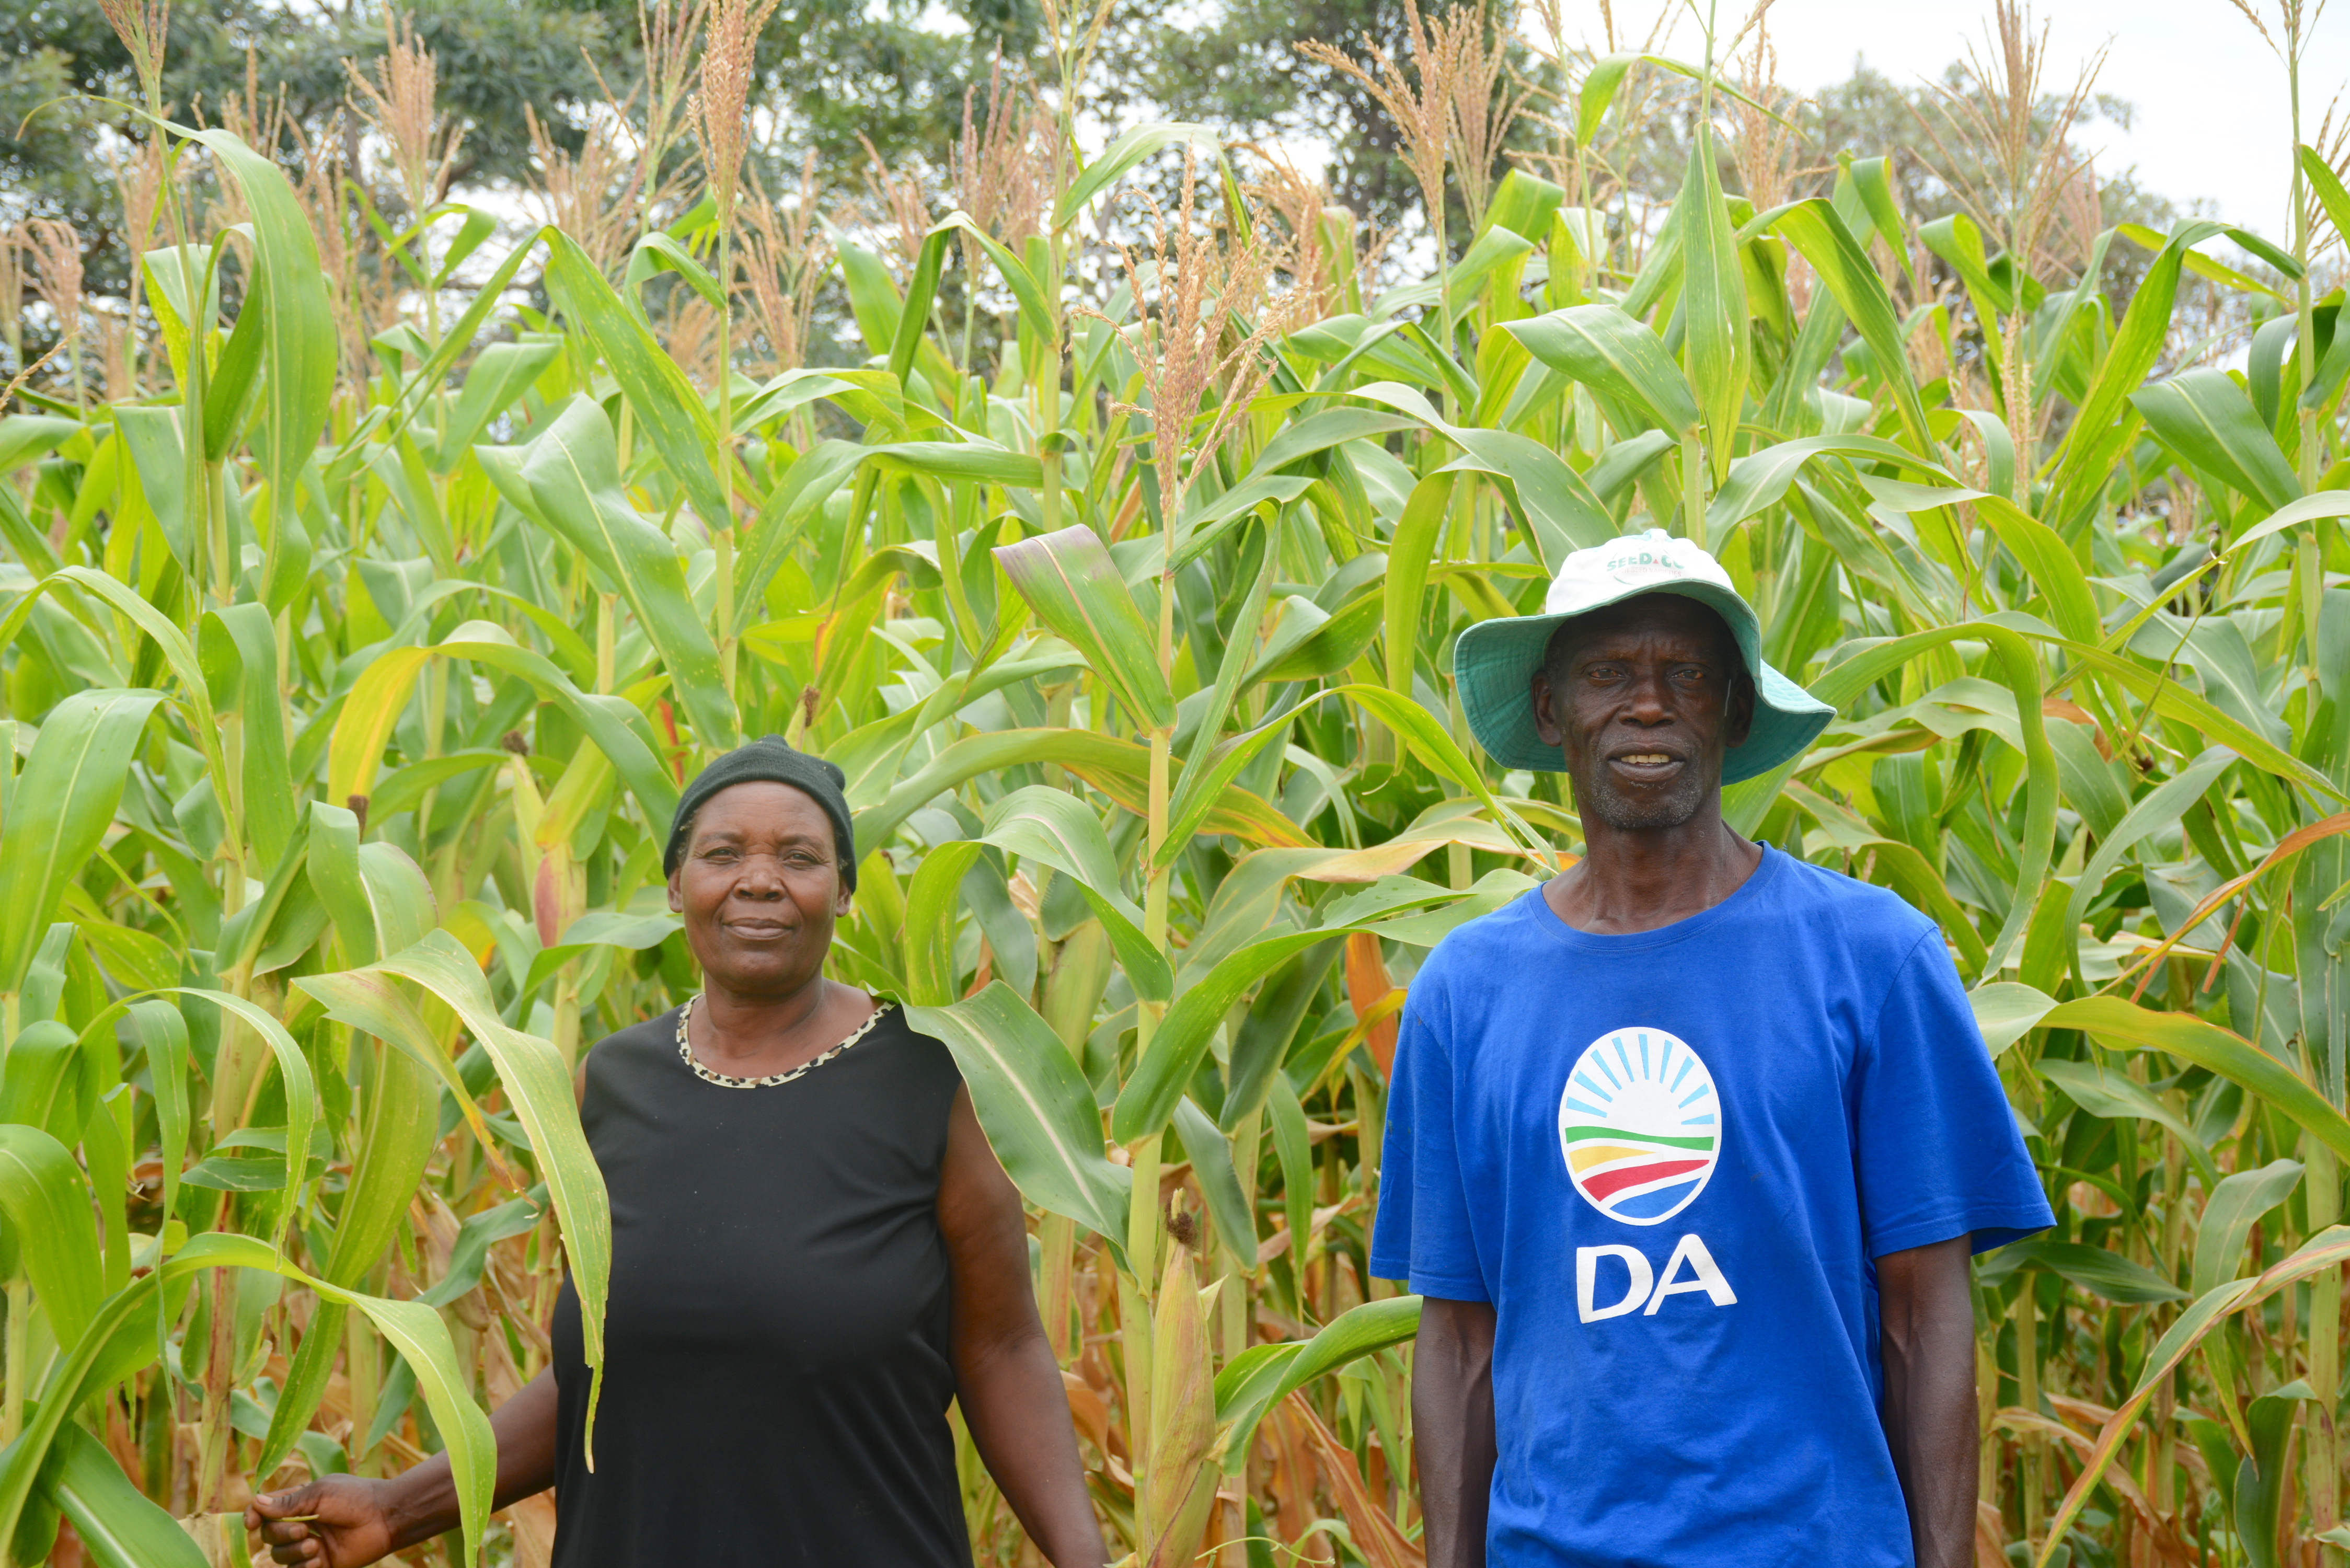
1939, 1152
1422, 1234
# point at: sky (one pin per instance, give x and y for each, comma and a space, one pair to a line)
2213, 119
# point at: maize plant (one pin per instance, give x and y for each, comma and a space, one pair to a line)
357, 641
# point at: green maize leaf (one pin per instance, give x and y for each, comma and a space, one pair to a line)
398, 1134
1600, 84
415, 1330
1211, 1166
1713, 303
2096, 1271
45, 1086
28, 438
179, 653
1263, 1375
499, 374
932, 904
1122, 155
1292, 1150
538, 1085
1148, 1101
2260, 1488
1601, 345
1955, 238
2006, 1011
2099, 433
658, 253
1496, 250
1203, 739
370, 1003
2102, 1092
1050, 827
1565, 512
1417, 535
2204, 266
1205, 783
1758, 480
2328, 1250
2046, 559
1310, 642
238, 650
2202, 1044
2205, 417
597, 929
378, 698
152, 439
673, 414
163, 1033
2322, 504
1524, 203
1413, 723
1814, 228
47, 1204
1846, 680
299, 354
117, 1526
921, 293
2159, 807
1070, 581
568, 480
1263, 1040
1035, 308
1036, 1110
60, 809
820, 474
873, 297
2173, 702
228, 393
2236, 1204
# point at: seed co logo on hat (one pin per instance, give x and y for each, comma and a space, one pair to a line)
1640, 1125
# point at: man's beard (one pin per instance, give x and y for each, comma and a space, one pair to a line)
1597, 795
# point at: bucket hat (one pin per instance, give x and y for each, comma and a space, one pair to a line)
1494, 661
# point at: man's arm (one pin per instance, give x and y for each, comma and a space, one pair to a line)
1927, 1309
1452, 1428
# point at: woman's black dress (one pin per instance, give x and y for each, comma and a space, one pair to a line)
777, 1366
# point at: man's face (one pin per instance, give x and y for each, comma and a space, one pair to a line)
1645, 698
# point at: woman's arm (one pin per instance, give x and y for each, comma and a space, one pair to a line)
358, 1520
1007, 1380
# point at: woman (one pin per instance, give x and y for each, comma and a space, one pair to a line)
813, 1251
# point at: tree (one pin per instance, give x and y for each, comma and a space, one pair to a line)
62, 65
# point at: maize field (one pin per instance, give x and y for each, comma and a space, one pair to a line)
373, 579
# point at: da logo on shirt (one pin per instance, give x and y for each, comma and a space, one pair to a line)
1640, 1125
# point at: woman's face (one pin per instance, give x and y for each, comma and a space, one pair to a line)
760, 887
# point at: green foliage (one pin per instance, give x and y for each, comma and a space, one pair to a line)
347, 697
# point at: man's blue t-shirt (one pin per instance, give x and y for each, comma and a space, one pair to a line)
1669, 1160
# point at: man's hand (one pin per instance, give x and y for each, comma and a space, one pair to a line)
1925, 1306
336, 1522
1452, 1428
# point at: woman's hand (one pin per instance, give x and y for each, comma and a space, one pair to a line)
336, 1522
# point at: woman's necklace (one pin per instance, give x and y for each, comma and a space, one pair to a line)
685, 1052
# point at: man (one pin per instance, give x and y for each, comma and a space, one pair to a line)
1689, 1148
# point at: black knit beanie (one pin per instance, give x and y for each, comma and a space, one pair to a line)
769, 760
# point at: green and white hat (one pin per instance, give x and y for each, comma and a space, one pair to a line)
1494, 661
